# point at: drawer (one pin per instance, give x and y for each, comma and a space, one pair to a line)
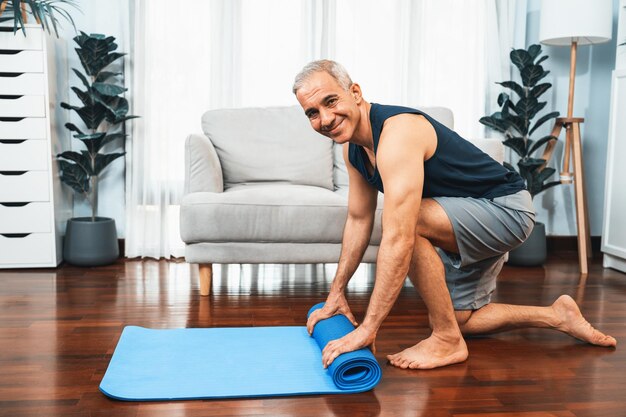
33, 39
25, 186
34, 248
22, 61
25, 217
26, 83
22, 106
24, 155
23, 128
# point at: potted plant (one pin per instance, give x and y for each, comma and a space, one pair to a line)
45, 13
515, 121
92, 240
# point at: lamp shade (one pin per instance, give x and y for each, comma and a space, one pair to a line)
585, 21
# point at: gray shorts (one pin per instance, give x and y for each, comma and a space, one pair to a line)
485, 230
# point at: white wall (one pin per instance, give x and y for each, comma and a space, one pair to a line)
111, 18
556, 207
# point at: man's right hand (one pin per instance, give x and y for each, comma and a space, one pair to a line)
336, 303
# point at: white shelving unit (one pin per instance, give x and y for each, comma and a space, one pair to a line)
34, 208
614, 227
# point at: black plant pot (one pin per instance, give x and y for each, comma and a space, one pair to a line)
89, 243
533, 251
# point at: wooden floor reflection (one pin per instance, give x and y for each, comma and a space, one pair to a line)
58, 330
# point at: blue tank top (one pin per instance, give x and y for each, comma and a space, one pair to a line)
456, 169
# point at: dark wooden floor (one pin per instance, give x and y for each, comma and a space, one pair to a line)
58, 330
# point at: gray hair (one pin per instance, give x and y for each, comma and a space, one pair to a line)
334, 69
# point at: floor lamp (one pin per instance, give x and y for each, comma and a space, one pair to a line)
573, 23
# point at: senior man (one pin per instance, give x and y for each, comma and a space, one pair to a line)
451, 213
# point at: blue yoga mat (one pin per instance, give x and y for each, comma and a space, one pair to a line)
177, 364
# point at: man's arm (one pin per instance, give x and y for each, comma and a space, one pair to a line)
362, 199
401, 167
401, 153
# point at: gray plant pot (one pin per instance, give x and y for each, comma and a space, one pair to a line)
89, 243
533, 251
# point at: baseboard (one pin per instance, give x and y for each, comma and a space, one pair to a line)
561, 244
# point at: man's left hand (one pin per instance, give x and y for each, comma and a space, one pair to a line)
356, 339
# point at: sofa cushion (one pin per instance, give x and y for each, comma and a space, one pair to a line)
264, 213
270, 144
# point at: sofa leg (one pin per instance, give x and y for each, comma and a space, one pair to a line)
206, 275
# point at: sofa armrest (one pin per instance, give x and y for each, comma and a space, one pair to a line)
203, 171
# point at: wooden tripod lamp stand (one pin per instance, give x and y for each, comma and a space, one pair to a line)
573, 23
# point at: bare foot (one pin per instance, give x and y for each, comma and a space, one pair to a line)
430, 353
573, 323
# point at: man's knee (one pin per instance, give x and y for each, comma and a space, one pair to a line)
430, 218
433, 224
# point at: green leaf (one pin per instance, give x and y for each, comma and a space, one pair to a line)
534, 51
117, 108
493, 123
73, 128
81, 159
509, 166
74, 176
540, 143
536, 109
110, 90
82, 77
531, 74
81, 39
544, 119
525, 107
502, 98
95, 52
96, 141
517, 144
543, 58
531, 164
92, 116
506, 107
518, 124
521, 58
122, 120
539, 89
528, 177
110, 58
93, 141
84, 96
544, 174
505, 123
550, 185
105, 75
519, 90
103, 160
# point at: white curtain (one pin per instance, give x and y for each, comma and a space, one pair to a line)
199, 55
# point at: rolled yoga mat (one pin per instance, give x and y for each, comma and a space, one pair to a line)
181, 364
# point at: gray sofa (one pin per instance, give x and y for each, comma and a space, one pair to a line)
261, 186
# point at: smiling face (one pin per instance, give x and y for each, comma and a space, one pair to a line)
332, 111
